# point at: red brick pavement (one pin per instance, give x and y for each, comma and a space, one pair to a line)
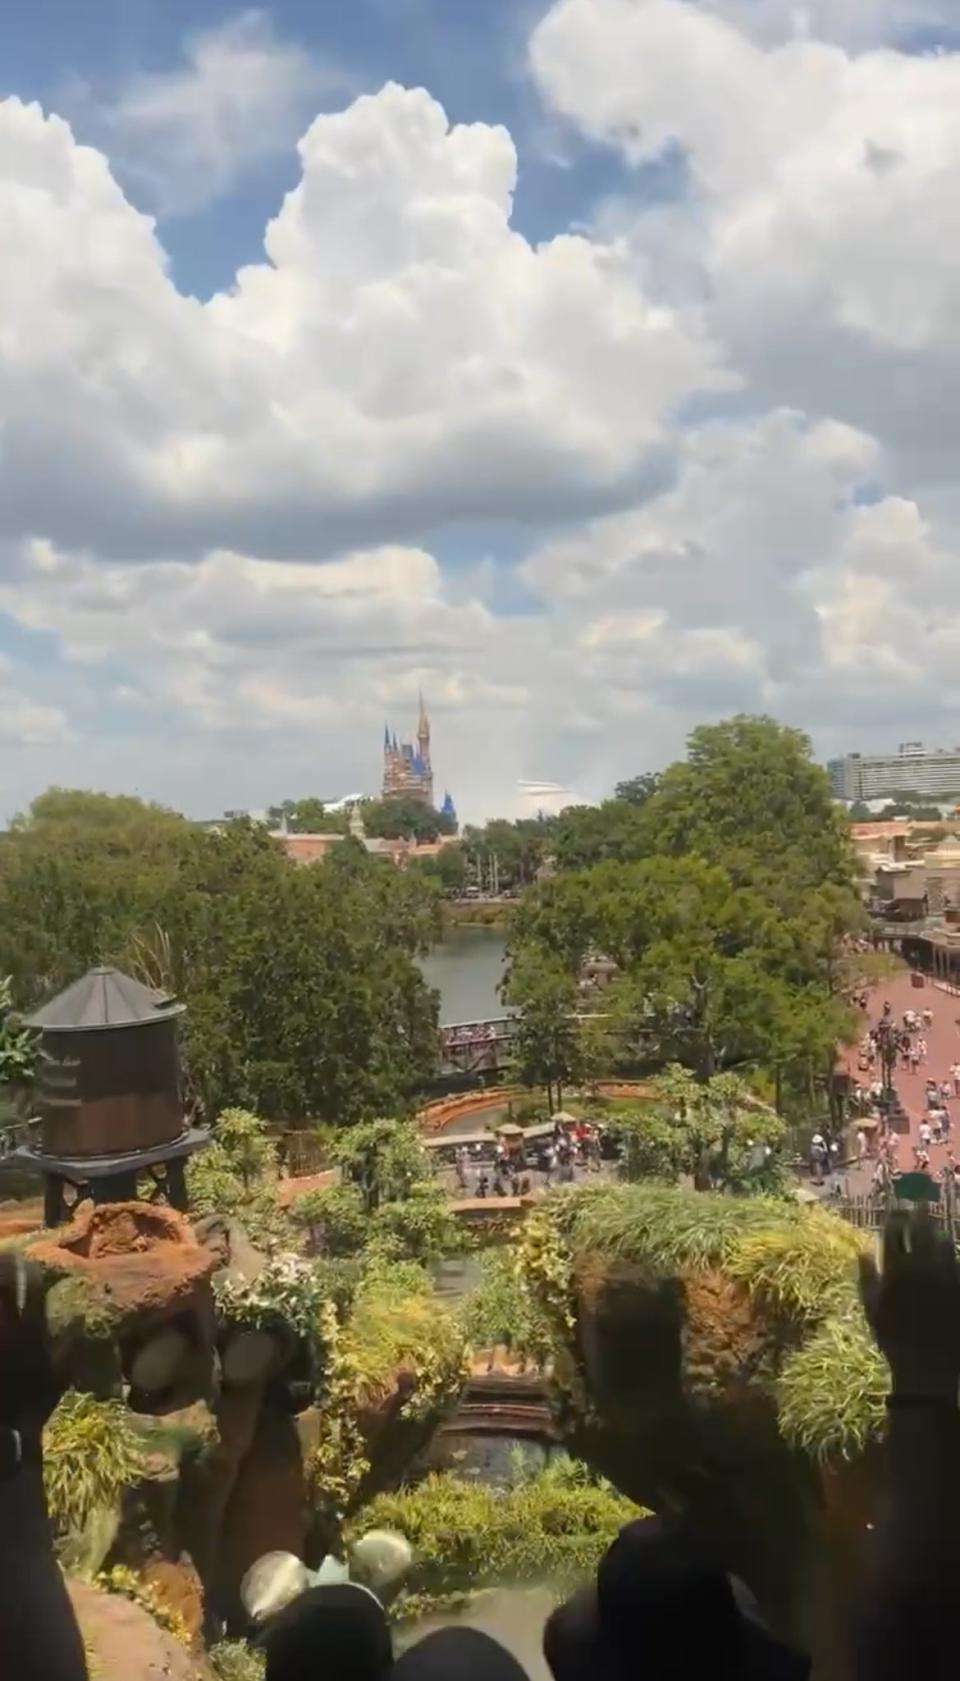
943, 1048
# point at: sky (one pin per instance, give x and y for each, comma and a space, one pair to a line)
593, 367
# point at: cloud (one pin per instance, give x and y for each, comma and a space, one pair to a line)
186, 136
721, 433
402, 358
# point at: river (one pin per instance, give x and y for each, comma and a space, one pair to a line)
466, 968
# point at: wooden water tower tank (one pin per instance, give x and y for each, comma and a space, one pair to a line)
108, 1092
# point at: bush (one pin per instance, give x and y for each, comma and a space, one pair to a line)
289, 1294
832, 1391
421, 1227
335, 1219
92, 1451
236, 1175
554, 1525
502, 1310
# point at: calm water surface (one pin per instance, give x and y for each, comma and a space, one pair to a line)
466, 968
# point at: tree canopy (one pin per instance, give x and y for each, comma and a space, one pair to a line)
723, 895
304, 997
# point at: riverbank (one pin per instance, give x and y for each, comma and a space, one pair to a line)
477, 913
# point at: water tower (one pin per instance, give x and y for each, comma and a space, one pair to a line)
108, 1093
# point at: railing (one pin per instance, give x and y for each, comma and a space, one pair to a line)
870, 1213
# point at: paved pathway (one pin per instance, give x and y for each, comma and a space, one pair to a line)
943, 1048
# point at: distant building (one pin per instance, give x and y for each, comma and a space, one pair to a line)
407, 768
913, 769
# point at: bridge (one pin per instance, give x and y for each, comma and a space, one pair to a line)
476, 1047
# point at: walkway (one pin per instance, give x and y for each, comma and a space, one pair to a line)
943, 1048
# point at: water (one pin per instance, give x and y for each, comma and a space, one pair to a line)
466, 968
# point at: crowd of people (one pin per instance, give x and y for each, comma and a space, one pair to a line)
521, 1165
887, 1047
660, 1605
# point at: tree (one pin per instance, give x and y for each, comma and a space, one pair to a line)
546, 1045
586, 834
448, 869
304, 999
308, 816
637, 790
402, 817
420, 1226
383, 1159
749, 796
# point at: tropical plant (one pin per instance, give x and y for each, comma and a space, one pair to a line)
289, 1293
92, 1451
419, 1227
797, 1266
236, 1176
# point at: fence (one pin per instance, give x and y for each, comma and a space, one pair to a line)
869, 1213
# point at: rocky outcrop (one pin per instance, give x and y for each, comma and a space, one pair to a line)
131, 1301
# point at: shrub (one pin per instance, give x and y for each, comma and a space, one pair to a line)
236, 1175
335, 1219
555, 1524
92, 1451
420, 1227
503, 1310
289, 1294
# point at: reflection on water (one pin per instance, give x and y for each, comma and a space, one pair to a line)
466, 968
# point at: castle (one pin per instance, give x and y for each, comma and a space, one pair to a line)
407, 769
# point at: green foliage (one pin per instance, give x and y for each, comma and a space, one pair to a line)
420, 1226
800, 1271
504, 1310
335, 1219
308, 816
236, 1176
122, 1580
798, 1265
398, 1330
637, 790
546, 1042
234, 1660
304, 997
92, 1451
384, 1159
402, 817
832, 1390
289, 1293
554, 1525
18, 1045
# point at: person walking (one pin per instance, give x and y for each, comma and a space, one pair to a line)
925, 1133
955, 1077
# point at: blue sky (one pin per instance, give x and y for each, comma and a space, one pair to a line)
470, 56
590, 364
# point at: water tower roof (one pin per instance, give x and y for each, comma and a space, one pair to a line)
101, 998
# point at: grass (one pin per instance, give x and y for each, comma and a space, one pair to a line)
831, 1392
234, 1660
803, 1271
92, 1451
798, 1266
665, 1227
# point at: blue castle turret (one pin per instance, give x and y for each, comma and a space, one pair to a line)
448, 809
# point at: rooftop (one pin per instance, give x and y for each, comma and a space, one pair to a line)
103, 998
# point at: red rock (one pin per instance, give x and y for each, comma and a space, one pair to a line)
141, 1261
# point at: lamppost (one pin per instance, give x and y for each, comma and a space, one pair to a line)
887, 1049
